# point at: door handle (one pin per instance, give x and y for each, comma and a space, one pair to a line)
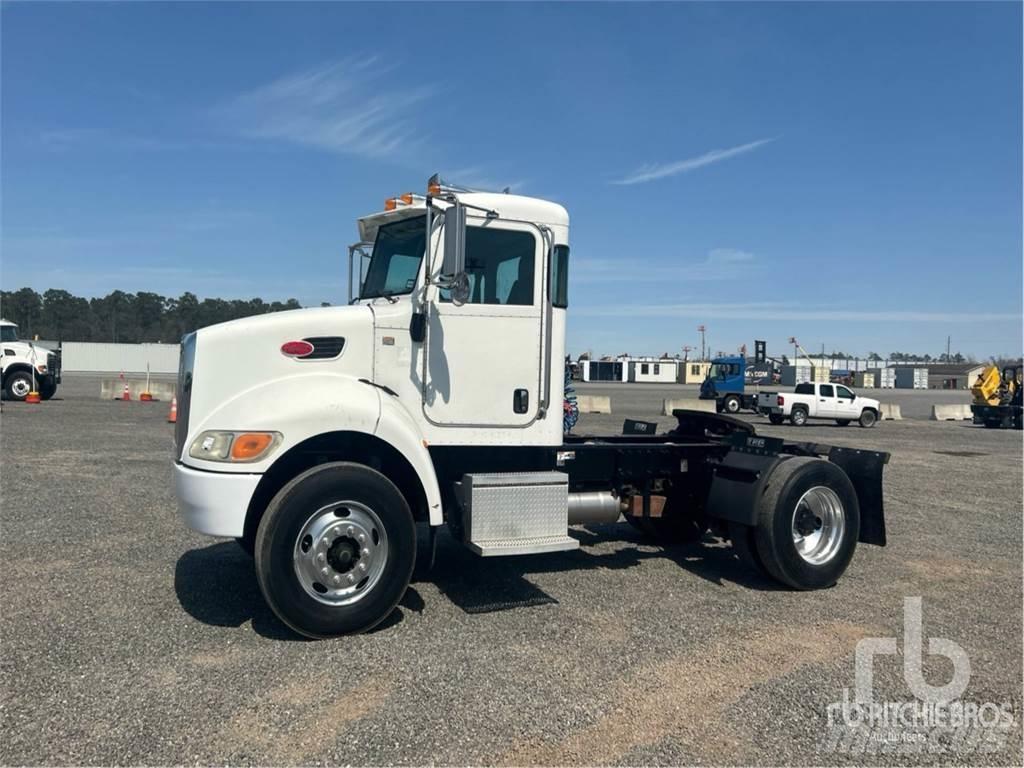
521, 400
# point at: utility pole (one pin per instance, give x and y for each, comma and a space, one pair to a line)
686, 353
948, 339
701, 328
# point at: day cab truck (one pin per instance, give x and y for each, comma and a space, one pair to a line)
811, 400
726, 385
22, 363
319, 438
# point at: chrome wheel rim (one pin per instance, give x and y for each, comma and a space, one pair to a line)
340, 553
732, 405
818, 525
20, 387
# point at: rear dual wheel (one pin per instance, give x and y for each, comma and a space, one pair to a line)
335, 550
808, 522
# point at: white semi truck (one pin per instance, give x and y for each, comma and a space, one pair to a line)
319, 437
24, 364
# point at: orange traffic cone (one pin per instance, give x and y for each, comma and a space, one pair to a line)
33, 397
172, 417
126, 395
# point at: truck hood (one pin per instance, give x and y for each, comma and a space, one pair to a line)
232, 358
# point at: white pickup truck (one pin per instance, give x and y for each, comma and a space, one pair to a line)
818, 401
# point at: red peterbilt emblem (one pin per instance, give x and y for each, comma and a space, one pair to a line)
296, 348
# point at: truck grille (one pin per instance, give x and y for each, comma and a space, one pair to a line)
186, 365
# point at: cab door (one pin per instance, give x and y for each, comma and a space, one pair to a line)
846, 404
826, 402
483, 358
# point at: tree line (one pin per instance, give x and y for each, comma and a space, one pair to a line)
57, 315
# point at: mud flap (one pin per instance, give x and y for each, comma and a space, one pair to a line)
864, 468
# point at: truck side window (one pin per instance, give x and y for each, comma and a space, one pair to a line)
826, 390
560, 277
500, 266
844, 392
804, 389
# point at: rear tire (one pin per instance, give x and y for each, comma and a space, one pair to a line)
744, 543
808, 523
843, 422
798, 416
776, 418
867, 418
345, 519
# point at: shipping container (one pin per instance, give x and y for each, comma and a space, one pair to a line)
885, 378
796, 374
911, 377
864, 380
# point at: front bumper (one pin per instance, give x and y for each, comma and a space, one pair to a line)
214, 503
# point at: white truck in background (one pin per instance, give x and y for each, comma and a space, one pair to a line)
812, 400
22, 362
319, 438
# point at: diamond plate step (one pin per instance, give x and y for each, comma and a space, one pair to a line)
524, 546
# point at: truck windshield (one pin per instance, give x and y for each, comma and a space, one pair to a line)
8, 333
397, 253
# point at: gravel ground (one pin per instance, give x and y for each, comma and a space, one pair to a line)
128, 639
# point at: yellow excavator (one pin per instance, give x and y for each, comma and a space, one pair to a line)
997, 398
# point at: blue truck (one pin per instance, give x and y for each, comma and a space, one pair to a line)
726, 384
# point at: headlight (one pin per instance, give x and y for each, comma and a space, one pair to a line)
41, 368
214, 445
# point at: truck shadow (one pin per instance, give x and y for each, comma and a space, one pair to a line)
483, 585
217, 586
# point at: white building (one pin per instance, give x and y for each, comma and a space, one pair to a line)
656, 370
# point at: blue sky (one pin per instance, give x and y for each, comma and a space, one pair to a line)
846, 173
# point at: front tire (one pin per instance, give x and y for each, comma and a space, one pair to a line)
47, 389
18, 385
867, 418
731, 404
808, 523
335, 550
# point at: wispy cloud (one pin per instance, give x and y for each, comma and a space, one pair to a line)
781, 311
718, 264
652, 172
342, 107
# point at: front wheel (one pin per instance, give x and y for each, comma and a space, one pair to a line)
47, 389
335, 550
731, 404
18, 385
808, 523
867, 418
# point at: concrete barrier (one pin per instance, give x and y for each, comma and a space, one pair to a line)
951, 412
113, 389
890, 412
687, 404
594, 404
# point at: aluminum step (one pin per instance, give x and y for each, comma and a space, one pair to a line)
515, 513
526, 546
